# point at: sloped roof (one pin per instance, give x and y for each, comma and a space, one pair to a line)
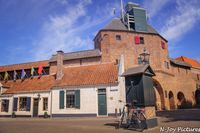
89, 75
192, 62
79, 55
101, 74
45, 83
116, 24
23, 66
180, 63
139, 70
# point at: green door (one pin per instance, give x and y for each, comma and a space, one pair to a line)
102, 104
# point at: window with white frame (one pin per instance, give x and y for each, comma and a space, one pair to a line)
22, 103
70, 99
45, 103
4, 105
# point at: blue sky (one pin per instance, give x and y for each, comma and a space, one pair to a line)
32, 30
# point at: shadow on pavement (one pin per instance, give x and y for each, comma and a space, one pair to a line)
180, 115
115, 125
111, 124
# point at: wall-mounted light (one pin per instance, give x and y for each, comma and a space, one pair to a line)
145, 56
38, 95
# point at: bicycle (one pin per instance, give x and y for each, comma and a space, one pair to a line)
123, 116
133, 118
137, 119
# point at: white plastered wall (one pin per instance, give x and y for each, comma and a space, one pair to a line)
88, 101
32, 95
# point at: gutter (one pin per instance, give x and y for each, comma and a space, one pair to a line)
138, 32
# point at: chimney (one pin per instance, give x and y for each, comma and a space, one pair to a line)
60, 56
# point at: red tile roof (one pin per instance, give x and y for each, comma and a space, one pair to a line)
89, 75
73, 76
44, 83
192, 62
23, 66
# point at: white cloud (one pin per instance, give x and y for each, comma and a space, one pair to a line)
182, 21
154, 6
56, 35
198, 59
65, 32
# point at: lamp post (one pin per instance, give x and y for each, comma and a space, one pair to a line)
145, 56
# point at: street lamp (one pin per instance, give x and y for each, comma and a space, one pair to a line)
144, 56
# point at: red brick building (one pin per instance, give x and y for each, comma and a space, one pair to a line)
68, 77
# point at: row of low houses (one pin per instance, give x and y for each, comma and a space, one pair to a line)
82, 91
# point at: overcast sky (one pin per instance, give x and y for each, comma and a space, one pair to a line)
32, 30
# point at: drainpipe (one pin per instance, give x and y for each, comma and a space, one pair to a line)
1, 88
51, 104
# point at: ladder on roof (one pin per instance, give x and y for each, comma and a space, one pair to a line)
129, 20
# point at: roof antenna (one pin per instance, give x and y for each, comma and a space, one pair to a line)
114, 11
148, 16
122, 11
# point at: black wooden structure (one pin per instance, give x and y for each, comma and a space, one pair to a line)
139, 88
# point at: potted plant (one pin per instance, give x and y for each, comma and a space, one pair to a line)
13, 115
46, 115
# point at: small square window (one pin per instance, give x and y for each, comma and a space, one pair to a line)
118, 37
163, 45
141, 40
166, 64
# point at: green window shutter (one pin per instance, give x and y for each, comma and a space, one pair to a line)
77, 99
61, 99
7, 105
15, 102
28, 104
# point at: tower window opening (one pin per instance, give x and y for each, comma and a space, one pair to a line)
118, 37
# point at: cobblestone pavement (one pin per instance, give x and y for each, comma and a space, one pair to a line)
175, 120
